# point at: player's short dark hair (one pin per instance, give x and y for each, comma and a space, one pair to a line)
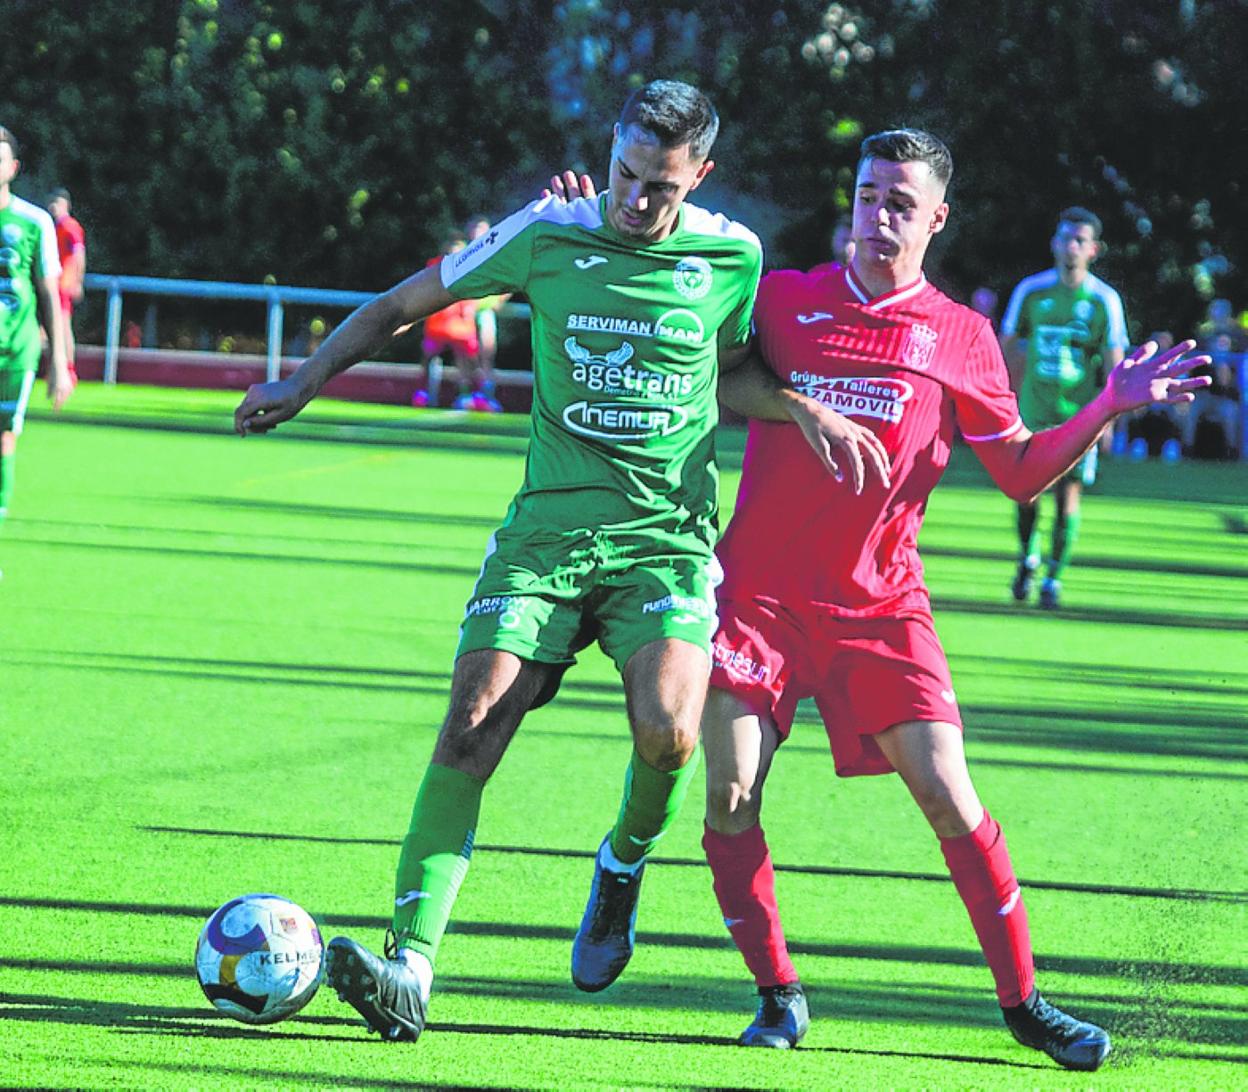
1077, 214
59, 193
676, 113
7, 137
910, 146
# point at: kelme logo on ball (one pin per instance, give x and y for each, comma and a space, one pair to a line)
692, 277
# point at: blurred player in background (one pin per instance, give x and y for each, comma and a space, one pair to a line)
823, 594
452, 332
71, 244
31, 273
477, 389
1062, 334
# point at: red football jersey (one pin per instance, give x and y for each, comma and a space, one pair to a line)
69, 237
911, 365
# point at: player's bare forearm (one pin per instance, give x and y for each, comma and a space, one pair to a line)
1027, 463
365, 331
748, 387
60, 385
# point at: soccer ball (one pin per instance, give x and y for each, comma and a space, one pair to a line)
260, 958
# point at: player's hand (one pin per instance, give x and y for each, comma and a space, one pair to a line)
569, 186
843, 445
267, 405
60, 387
1145, 377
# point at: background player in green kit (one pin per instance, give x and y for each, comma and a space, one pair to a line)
30, 273
638, 300
1062, 334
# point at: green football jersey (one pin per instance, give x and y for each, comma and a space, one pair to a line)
27, 253
1068, 332
626, 341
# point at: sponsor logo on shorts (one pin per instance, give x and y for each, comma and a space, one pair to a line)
623, 420
739, 664
882, 398
509, 608
949, 696
690, 608
692, 277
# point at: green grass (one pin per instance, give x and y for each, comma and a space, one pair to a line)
224, 665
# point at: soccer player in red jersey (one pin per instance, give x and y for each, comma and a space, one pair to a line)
71, 244
845, 617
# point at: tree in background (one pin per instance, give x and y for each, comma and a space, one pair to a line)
332, 142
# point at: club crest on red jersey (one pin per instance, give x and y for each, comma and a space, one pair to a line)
919, 347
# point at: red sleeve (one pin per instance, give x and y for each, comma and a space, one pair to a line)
987, 408
771, 307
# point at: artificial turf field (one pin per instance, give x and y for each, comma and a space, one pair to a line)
224, 665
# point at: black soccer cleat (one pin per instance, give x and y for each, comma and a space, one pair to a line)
781, 1020
1050, 593
604, 942
1023, 580
383, 991
1069, 1042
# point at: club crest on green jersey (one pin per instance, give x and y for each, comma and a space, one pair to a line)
692, 277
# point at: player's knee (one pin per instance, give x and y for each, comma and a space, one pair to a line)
729, 808
667, 745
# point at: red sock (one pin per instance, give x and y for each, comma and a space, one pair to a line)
745, 886
980, 866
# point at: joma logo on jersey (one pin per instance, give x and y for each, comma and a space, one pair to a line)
623, 420
884, 399
919, 347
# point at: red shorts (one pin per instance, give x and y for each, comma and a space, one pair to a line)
457, 346
865, 674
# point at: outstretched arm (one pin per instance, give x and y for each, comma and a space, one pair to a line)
1026, 463
749, 387
365, 331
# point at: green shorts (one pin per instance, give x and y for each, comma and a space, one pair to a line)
15, 388
546, 595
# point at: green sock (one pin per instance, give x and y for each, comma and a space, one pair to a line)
652, 800
435, 856
1065, 532
6, 482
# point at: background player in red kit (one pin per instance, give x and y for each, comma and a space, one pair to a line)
71, 243
846, 618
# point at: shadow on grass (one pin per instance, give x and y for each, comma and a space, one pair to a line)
1153, 972
1100, 615
337, 511
1183, 894
199, 554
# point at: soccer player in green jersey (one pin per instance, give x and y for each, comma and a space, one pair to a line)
639, 300
30, 272
1062, 334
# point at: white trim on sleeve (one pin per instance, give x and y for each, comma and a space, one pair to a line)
1018, 423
